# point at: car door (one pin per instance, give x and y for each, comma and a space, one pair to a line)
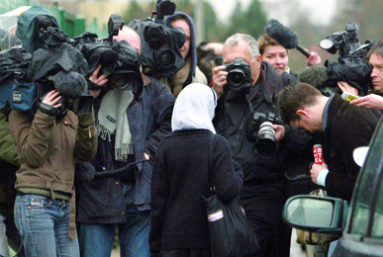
363, 234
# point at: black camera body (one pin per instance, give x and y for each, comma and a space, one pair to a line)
119, 61
260, 130
239, 75
160, 43
345, 41
115, 24
352, 66
52, 63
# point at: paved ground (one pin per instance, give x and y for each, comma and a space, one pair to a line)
295, 251
116, 253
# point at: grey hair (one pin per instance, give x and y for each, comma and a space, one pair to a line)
251, 42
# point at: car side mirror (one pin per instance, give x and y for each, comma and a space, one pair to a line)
316, 214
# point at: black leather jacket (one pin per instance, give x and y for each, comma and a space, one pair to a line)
234, 111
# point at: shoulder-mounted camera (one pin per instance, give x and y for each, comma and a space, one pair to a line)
160, 43
120, 62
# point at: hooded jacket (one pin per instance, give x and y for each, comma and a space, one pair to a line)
26, 27
195, 75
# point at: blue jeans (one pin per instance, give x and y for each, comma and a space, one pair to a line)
96, 240
43, 225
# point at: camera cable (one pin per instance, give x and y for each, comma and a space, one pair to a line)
108, 173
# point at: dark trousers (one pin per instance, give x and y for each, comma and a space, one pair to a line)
186, 253
263, 205
14, 240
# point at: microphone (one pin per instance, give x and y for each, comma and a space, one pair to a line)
349, 97
72, 84
84, 171
318, 154
315, 75
284, 36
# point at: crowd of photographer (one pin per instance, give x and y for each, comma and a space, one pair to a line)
93, 139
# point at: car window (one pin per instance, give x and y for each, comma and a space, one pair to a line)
364, 195
377, 227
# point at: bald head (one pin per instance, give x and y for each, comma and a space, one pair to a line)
130, 36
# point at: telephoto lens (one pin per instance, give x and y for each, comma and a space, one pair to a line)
266, 143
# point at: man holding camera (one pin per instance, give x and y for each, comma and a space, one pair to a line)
375, 99
123, 200
247, 89
345, 128
189, 73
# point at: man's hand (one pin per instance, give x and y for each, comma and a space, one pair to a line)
147, 157
345, 87
97, 80
219, 79
313, 59
371, 101
315, 170
279, 132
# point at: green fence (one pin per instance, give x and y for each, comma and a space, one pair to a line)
72, 24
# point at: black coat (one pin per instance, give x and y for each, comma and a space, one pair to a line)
180, 177
102, 200
348, 127
232, 118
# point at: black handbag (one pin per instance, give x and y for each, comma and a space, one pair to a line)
231, 234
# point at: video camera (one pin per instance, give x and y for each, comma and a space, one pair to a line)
119, 61
160, 43
28, 73
260, 129
344, 41
239, 74
352, 66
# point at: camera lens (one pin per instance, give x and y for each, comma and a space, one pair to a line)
236, 79
266, 143
123, 80
166, 58
120, 81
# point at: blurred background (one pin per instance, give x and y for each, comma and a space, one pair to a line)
217, 19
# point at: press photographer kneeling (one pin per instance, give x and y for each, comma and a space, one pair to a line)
247, 116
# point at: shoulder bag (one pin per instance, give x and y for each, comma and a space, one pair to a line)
231, 234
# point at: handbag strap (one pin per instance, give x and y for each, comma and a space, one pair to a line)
211, 171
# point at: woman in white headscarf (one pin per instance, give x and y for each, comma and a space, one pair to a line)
179, 224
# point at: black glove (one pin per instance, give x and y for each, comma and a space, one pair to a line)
48, 109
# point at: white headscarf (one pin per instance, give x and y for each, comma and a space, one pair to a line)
194, 108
